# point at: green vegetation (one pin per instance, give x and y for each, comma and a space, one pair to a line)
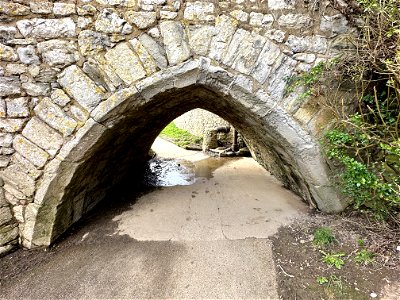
364, 143
333, 259
322, 280
178, 136
364, 257
323, 236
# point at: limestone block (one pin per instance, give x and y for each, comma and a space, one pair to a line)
58, 52
42, 7
8, 234
154, 32
85, 10
18, 212
80, 87
55, 117
123, 3
47, 28
316, 44
243, 51
125, 63
84, 22
7, 53
91, 42
141, 19
200, 38
3, 109
155, 50
334, 25
275, 34
27, 55
5, 215
36, 88
147, 60
13, 9
7, 151
261, 20
4, 161
278, 79
225, 28
17, 107
305, 57
63, 9
24, 164
168, 15
59, 97
240, 15
10, 86
175, 41
297, 21
263, 66
7, 33
108, 21
43, 135
113, 105
281, 4
30, 151
11, 125
17, 178
203, 11
79, 113
16, 69
6, 139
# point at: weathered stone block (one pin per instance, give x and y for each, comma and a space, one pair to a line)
203, 11
147, 60
13, 9
7, 53
263, 66
175, 41
36, 88
10, 86
43, 135
297, 21
16, 69
80, 87
316, 44
125, 63
26, 166
281, 4
63, 9
55, 117
17, 107
109, 21
27, 55
3, 109
14, 176
91, 42
6, 139
5, 215
200, 38
59, 97
42, 7
155, 50
141, 19
30, 151
47, 28
11, 125
8, 234
7, 33
58, 52
225, 28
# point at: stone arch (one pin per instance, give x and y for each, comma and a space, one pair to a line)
72, 185
71, 74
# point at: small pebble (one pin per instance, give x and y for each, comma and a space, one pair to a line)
373, 295
398, 248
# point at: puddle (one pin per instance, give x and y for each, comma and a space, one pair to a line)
163, 172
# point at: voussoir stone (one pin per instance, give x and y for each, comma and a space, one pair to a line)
43, 135
54, 116
80, 87
155, 49
59, 97
200, 39
175, 41
147, 60
126, 63
47, 28
225, 27
30, 151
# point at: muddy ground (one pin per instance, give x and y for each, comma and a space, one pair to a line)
299, 262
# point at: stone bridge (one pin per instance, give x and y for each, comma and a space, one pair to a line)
87, 85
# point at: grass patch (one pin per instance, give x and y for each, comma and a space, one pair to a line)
323, 236
178, 136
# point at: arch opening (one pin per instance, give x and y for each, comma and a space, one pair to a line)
116, 146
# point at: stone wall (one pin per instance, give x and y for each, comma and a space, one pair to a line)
76, 76
198, 121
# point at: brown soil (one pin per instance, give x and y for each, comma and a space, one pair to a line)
299, 263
